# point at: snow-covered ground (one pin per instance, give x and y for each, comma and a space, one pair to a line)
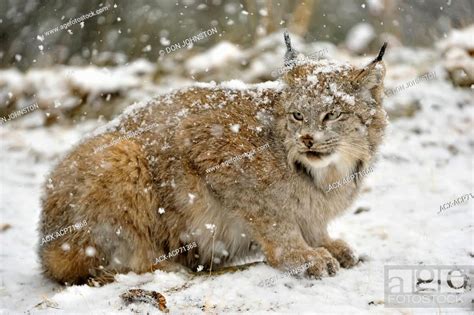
425, 162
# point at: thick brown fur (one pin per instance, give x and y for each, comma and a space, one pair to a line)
273, 202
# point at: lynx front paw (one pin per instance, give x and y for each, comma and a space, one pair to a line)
342, 252
317, 262
322, 263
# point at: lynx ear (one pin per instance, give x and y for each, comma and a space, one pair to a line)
369, 80
290, 55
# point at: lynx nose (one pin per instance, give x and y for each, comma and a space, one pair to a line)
307, 140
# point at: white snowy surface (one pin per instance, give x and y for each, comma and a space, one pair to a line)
458, 38
425, 162
217, 56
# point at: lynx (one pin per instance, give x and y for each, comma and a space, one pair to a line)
147, 195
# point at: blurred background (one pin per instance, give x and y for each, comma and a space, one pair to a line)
139, 29
140, 45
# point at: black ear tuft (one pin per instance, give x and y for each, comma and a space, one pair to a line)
371, 69
381, 53
286, 35
290, 54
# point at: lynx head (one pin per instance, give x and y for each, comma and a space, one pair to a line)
332, 112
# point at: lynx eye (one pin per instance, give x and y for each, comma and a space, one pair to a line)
332, 116
297, 116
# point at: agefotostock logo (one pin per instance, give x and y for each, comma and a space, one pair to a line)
434, 286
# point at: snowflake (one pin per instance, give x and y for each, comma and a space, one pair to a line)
210, 227
90, 251
235, 128
191, 197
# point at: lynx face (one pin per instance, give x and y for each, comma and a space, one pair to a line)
328, 115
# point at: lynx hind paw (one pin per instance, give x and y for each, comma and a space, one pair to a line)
100, 281
101, 277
